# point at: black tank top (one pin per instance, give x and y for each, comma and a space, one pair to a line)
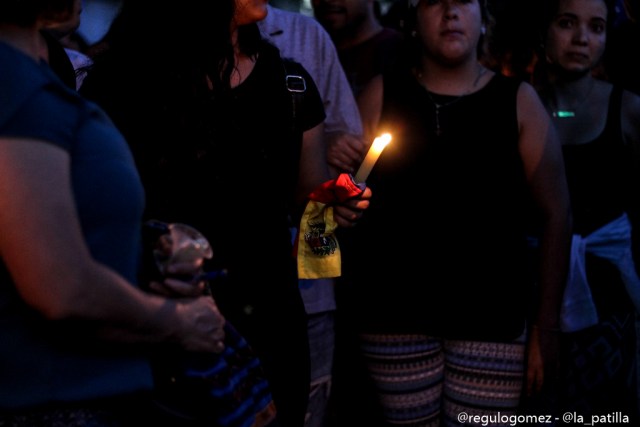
598, 173
441, 250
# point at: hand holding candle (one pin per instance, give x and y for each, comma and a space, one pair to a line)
372, 156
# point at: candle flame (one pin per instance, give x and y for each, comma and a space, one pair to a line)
380, 142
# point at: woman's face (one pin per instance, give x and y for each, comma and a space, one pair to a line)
250, 11
449, 29
577, 35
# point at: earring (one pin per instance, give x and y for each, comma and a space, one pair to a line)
483, 30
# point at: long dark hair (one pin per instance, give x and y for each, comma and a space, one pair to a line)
25, 12
187, 39
164, 64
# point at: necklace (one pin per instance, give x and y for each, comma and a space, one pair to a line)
564, 113
440, 105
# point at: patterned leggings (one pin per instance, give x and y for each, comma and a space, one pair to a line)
428, 382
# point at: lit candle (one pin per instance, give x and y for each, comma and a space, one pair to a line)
372, 157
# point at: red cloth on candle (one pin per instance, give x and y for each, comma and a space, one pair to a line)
318, 251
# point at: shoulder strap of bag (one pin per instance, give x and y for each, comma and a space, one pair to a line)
296, 85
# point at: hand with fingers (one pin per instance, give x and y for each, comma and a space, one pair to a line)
345, 151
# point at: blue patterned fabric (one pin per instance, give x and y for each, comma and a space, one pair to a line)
226, 390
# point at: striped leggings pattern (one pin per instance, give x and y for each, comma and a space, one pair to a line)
423, 381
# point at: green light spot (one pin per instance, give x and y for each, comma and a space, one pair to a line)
563, 114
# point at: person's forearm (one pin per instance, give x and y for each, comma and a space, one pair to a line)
107, 298
554, 262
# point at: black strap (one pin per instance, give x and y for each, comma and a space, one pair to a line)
296, 85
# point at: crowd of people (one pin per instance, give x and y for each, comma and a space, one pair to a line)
488, 263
